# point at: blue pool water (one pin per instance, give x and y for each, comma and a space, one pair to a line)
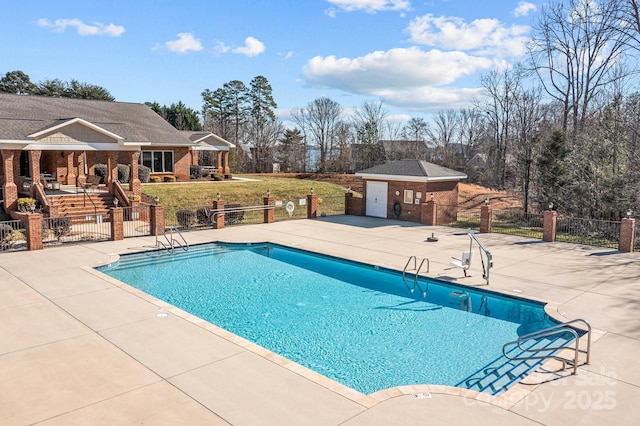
355, 323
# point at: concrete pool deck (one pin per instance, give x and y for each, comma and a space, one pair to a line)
77, 347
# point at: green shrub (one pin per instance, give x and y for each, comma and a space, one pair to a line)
124, 173
195, 171
170, 178
155, 179
186, 218
217, 177
204, 216
24, 204
143, 173
100, 170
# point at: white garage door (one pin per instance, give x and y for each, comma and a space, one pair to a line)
377, 199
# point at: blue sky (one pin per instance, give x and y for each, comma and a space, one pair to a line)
416, 56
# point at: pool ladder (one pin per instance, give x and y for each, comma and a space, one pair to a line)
555, 330
417, 268
171, 243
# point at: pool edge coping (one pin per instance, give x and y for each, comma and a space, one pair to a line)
505, 400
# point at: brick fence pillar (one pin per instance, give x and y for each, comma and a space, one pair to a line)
348, 196
218, 215
549, 228
156, 221
627, 234
117, 224
485, 219
34, 231
269, 212
312, 205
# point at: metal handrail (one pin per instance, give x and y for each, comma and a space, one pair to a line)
169, 246
415, 276
84, 201
553, 331
485, 273
185, 247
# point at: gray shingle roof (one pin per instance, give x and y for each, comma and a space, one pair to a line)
22, 115
416, 169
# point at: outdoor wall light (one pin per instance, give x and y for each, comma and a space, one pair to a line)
551, 206
62, 154
312, 190
115, 202
157, 200
486, 201
629, 213
268, 193
349, 189
433, 196
218, 196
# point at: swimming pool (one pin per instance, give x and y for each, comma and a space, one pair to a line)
354, 323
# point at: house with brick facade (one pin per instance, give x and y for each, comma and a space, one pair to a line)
64, 139
410, 190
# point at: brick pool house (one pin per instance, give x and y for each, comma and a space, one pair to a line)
409, 190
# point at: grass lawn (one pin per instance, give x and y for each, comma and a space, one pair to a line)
192, 195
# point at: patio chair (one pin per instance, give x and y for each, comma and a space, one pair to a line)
92, 182
464, 262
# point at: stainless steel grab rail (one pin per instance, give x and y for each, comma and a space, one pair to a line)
558, 329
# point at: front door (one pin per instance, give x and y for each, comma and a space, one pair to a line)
377, 199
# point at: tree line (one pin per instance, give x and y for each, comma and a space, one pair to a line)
561, 128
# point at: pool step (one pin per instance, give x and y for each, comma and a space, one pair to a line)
501, 374
155, 257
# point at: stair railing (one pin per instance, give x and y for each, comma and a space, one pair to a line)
555, 330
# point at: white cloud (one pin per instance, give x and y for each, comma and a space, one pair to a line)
186, 42
252, 47
371, 6
523, 8
97, 28
483, 36
221, 48
286, 56
402, 76
331, 12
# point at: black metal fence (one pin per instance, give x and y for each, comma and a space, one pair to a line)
75, 229
591, 232
467, 219
519, 223
12, 236
136, 221
200, 217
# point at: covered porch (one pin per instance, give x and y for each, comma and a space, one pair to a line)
44, 173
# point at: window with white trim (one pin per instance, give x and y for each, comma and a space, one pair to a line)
157, 161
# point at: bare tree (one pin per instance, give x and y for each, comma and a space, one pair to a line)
443, 136
416, 130
319, 121
573, 52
